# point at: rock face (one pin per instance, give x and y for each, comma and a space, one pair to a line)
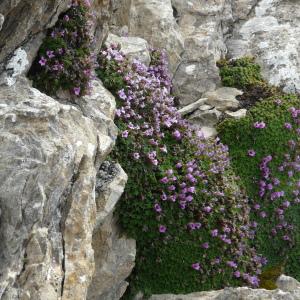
200, 32
152, 20
132, 47
269, 30
290, 290
53, 229
26, 35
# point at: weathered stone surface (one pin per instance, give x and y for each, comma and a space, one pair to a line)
208, 132
152, 20
132, 47
33, 17
15, 67
192, 107
223, 98
292, 292
269, 31
114, 254
50, 154
100, 106
287, 283
207, 118
241, 113
201, 25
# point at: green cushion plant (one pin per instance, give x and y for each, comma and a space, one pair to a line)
64, 60
181, 203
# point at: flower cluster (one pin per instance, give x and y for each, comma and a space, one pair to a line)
64, 59
264, 148
282, 194
180, 187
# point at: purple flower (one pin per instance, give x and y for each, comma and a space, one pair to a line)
259, 125
163, 197
43, 61
231, 264
251, 153
214, 233
162, 228
178, 165
237, 274
205, 245
136, 155
125, 134
66, 18
207, 209
263, 214
164, 180
76, 91
50, 53
177, 135
288, 126
196, 266
157, 208
191, 189
122, 94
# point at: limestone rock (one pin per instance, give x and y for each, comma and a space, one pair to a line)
270, 32
153, 21
15, 67
207, 118
287, 283
241, 113
208, 132
50, 154
223, 98
43, 14
100, 106
200, 24
1, 21
192, 107
114, 254
30, 28
205, 107
132, 47
242, 293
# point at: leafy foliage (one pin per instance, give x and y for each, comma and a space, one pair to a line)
64, 60
240, 73
267, 161
181, 202
244, 73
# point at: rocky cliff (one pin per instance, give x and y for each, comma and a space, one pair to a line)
59, 239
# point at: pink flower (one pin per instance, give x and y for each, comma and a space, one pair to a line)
162, 228
205, 245
50, 53
288, 126
196, 266
77, 91
237, 274
251, 153
136, 155
214, 233
125, 134
259, 125
157, 208
177, 135
43, 61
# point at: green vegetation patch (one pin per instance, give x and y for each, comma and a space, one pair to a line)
64, 60
181, 203
265, 153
